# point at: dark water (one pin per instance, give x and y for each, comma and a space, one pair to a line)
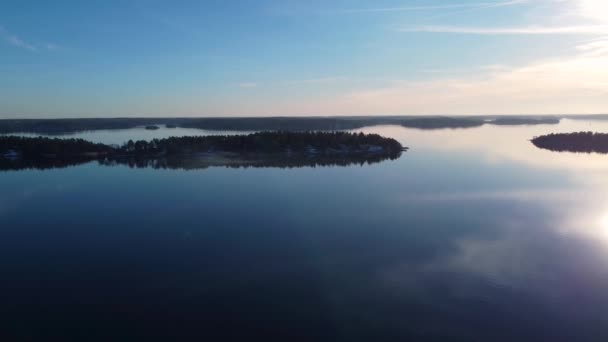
472, 235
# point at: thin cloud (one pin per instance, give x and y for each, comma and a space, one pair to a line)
493, 67
437, 7
565, 85
596, 47
530, 30
51, 46
16, 41
248, 85
317, 80
321, 80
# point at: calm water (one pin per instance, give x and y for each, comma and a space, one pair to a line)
120, 136
472, 235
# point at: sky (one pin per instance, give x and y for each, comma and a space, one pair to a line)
233, 58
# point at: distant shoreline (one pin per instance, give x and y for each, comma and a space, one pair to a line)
67, 126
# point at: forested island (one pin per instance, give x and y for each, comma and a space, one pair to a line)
300, 124
522, 121
280, 149
584, 142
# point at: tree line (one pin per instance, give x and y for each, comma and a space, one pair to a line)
585, 142
301, 124
266, 142
270, 149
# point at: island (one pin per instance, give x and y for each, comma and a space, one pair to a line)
281, 149
582, 142
523, 121
432, 123
152, 127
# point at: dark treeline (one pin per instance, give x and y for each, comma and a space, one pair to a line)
65, 126
441, 122
600, 117
267, 142
41, 163
20, 153
268, 149
43, 146
585, 142
515, 121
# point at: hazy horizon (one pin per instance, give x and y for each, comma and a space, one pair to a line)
69, 59
304, 116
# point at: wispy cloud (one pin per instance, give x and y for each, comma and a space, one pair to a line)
479, 5
302, 82
526, 30
320, 80
595, 47
248, 85
570, 84
51, 46
18, 42
448, 71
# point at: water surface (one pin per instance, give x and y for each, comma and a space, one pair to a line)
472, 235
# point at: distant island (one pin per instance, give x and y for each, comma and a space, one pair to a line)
515, 121
295, 124
281, 149
440, 123
583, 142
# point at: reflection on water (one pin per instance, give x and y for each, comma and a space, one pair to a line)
202, 162
250, 161
510, 143
473, 235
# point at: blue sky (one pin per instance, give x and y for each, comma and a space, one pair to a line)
266, 57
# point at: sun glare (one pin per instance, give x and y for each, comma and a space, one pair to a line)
603, 224
597, 9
